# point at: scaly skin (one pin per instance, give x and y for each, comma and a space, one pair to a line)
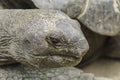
20, 72
40, 38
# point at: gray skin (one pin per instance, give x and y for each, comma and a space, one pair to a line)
100, 16
40, 38
21, 72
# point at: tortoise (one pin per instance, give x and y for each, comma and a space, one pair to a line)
100, 16
103, 24
83, 14
38, 38
69, 10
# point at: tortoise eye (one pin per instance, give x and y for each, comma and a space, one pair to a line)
53, 41
27, 41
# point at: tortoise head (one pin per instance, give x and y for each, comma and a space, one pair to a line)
50, 41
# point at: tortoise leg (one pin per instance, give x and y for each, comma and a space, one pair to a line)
21, 72
113, 47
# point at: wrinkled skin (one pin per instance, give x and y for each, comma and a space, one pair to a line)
41, 37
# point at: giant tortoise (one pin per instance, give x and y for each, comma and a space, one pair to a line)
99, 16
99, 19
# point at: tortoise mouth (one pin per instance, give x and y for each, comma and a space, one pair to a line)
50, 60
53, 61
